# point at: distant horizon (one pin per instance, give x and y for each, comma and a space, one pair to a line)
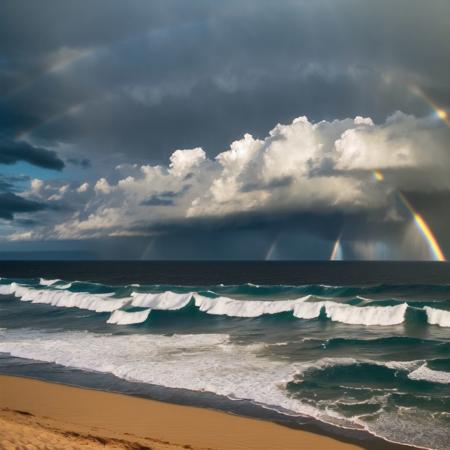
230, 260
198, 272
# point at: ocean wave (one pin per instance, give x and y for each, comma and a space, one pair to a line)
369, 315
198, 362
5, 289
437, 316
167, 300
61, 298
45, 282
353, 315
306, 307
424, 373
214, 363
363, 292
119, 317
63, 286
225, 306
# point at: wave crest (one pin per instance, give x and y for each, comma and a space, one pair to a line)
353, 315
128, 318
167, 300
437, 316
92, 302
224, 306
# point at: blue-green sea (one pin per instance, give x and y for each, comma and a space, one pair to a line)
371, 359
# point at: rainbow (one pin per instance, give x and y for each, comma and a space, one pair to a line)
440, 112
71, 111
335, 254
58, 65
378, 176
424, 229
419, 221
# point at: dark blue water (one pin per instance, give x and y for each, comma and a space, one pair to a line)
363, 347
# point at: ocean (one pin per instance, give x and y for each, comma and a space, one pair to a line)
360, 351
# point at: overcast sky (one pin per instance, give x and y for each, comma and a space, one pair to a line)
224, 129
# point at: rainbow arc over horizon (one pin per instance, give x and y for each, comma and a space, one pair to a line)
419, 221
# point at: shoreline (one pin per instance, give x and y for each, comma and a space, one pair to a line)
33, 411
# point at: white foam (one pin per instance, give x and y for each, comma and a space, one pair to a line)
225, 306
366, 299
119, 317
437, 316
44, 282
201, 362
65, 299
406, 366
353, 315
426, 374
302, 308
367, 315
309, 310
5, 289
167, 300
63, 286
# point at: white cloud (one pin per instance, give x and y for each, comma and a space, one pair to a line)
83, 188
102, 186
310, 167
402, 142
183, 161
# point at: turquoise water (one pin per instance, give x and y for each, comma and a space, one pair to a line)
373, 358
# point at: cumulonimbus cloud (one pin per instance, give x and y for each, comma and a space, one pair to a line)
300, 167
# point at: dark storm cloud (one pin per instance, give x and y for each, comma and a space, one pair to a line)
84, 163
150, 77
15, 151
11, 204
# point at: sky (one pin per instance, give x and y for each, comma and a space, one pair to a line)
259, 130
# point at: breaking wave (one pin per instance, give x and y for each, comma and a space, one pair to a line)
437, 316
61, 298
424, 373
224, 306
128, 318
167, 300
44, 282
59, 293
213, 363
281, 347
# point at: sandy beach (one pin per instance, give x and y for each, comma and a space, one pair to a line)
36, 415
